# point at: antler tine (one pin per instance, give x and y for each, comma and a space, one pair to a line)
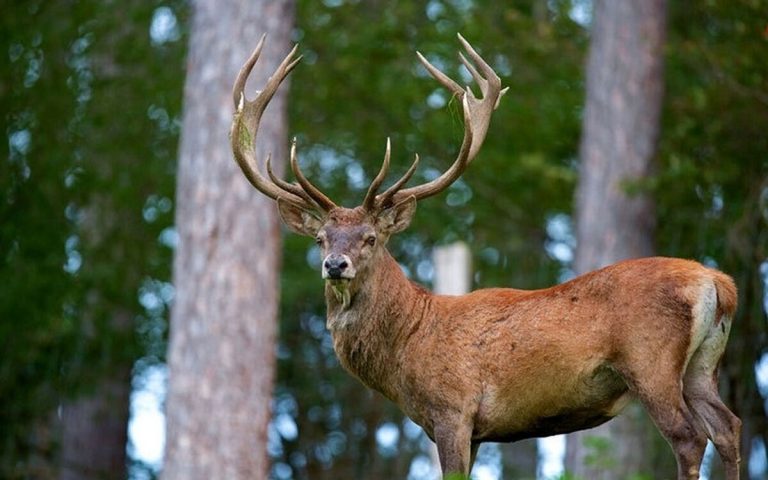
472, 70
287, 186
245, 71
370, 196
245, 126
490, 76
485, 69
449, 176
477, 116
385, 199
319, 197
444, 79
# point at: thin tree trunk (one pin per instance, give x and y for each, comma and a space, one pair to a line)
615, 216
94, 430
520, 460
223, 325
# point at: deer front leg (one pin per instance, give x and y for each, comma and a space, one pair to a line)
454, 445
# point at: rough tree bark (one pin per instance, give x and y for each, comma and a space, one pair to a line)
615, 217
223, 325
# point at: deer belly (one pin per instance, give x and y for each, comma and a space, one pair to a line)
554, 405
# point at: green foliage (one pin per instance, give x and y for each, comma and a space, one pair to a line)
89, 116
91, 110
571, 476
714, 127
566, 476
600, 452
455, 476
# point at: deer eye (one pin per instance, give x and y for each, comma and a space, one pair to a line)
371, 240
319, 241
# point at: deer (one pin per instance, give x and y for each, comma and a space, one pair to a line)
503, 364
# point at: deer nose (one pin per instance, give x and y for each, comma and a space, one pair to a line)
335, 265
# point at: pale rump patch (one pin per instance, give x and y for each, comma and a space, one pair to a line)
703, 315
708, 337
706, 359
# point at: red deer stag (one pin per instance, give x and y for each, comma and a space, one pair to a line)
503, 364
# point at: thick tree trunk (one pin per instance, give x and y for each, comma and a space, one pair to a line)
223, 325
615, 216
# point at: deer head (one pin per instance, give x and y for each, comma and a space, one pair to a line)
351, 239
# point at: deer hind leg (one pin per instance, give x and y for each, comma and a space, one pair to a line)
721, 426
659, 387
681, 429
700, 392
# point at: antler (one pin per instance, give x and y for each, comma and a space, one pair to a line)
245, 126
477, 117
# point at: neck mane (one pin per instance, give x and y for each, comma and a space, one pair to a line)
369, 331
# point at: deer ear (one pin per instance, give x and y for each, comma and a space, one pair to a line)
298, 219
397, 217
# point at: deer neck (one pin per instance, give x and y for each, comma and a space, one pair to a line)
382, 310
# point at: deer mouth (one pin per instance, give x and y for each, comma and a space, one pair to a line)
340, 288
336, 275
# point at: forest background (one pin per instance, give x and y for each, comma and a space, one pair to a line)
91, 96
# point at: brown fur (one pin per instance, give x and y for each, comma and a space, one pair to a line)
506, 364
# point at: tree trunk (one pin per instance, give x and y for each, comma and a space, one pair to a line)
94, 431
520, 459
615, 215
223, 325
